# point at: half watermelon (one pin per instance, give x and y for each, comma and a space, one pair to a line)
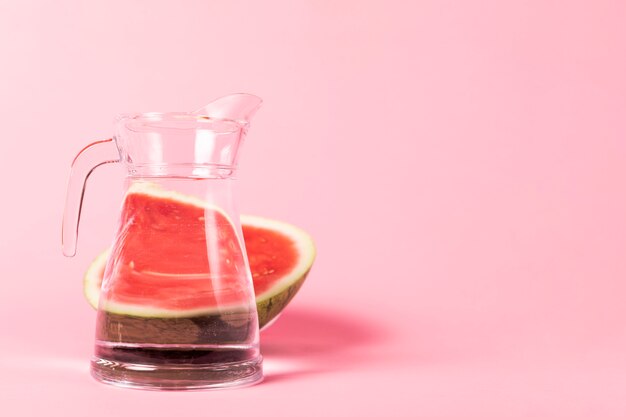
280, 256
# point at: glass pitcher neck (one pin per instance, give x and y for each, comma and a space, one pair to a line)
181, 171
179, 145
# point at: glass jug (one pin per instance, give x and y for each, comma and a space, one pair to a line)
176, 307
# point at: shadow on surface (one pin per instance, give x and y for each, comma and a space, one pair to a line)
306, 342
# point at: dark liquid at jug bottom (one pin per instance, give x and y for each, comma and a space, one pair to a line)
178, 355
176, 368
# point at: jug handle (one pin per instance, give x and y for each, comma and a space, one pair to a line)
89, 158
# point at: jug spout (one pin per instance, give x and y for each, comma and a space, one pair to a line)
240, 107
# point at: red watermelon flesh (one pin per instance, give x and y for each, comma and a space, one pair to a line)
271, 255
161, 266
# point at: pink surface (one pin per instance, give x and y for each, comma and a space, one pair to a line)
460, 164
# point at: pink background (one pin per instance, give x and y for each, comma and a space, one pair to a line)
459, 163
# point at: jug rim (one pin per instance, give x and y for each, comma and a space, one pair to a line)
143, 121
